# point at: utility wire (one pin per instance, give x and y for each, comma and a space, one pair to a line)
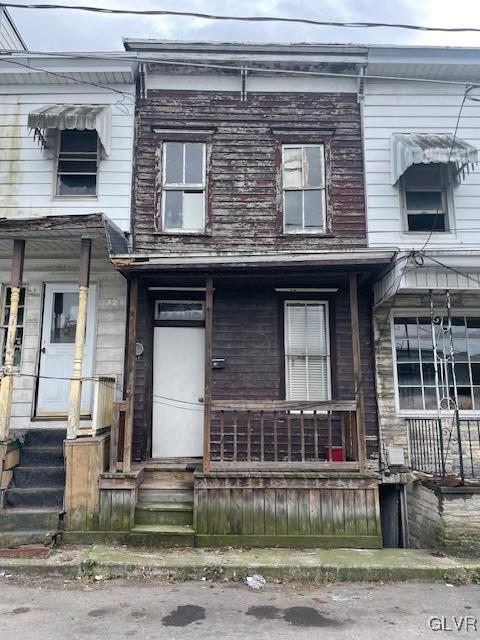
209, 16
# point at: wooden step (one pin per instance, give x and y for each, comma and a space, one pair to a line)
164, 513
149, 494
165, 535
163, 479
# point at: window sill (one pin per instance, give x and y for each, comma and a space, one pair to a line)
308, 234
75, 197
433, 415
197, 234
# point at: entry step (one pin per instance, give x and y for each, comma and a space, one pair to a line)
169, 513
162, 535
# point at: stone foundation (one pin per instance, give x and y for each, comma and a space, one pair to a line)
446, 518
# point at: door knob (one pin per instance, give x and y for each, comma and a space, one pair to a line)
200, 399
43, 350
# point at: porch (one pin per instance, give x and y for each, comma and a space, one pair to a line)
266, 470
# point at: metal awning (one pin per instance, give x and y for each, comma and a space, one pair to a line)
417, 148
74, 116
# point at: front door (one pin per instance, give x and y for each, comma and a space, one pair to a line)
178, 384
57, 350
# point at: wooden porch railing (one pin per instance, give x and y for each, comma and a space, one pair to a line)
102, 411
283, 435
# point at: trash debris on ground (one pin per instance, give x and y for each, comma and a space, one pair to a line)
256, 581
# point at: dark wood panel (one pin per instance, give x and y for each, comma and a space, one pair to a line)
244, 181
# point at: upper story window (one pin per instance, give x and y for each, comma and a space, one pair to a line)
183, 187
303, 183
77, 163
307, 351
427, 197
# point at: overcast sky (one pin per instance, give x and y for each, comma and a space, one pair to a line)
77, 31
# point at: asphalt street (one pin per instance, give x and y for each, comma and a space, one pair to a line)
58, 610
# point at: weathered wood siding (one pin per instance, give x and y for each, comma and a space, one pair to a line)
244, 190
289, 509
413, 107
110, 322
27, 171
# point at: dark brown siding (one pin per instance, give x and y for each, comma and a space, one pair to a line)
244, 185
142, 420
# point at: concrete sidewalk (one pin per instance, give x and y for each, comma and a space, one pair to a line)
315, 565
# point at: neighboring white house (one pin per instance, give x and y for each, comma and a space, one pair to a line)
422, 134
66, 153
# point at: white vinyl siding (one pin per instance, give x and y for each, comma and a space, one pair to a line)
307, 351
27, 172
412, 107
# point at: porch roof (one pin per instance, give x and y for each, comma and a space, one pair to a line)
436, 271
48, 234
360, 258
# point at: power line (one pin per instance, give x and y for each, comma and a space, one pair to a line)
209, 16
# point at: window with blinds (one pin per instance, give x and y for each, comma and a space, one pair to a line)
307, 351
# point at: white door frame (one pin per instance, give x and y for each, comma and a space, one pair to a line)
45, 343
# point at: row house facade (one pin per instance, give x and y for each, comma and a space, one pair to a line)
421, 137
66, 140
238, 296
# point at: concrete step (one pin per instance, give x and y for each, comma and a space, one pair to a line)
164, 513
147, 494
37, 497
39, 476
28, 519
20, 538
45, 437
41, 456
165, 535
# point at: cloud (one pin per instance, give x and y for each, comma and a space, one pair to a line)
65, 30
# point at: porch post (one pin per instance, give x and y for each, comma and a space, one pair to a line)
208, 371
130, 382
357, 369
6, 383
73, 422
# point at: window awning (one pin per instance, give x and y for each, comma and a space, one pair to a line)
74, 116
416, 148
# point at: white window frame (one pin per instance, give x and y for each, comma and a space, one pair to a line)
422, 413
183, 186
56, 172
446, 192
318, 230
328, 354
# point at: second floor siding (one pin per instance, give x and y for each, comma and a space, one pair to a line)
27, 171
243, 142
415, 107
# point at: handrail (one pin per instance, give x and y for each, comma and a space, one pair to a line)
283, 405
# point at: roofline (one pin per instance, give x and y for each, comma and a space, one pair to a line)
14, 27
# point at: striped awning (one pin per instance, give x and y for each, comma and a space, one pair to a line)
74, 116
417, 148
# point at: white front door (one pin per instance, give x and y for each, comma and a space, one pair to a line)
60, 311
178, 383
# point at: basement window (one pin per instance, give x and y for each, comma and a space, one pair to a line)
4, 326
426, 193
77, 164
183, 187
303, 184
